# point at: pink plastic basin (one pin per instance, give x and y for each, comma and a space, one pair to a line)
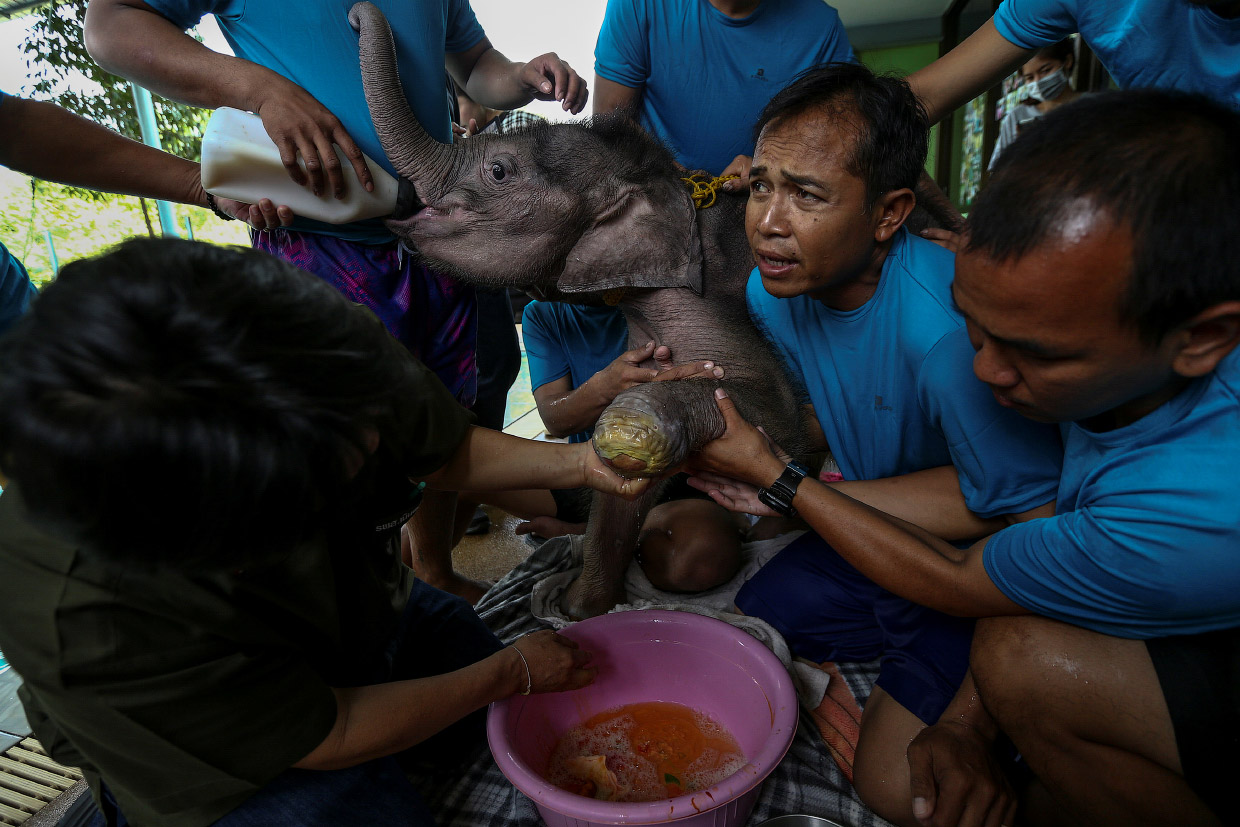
655, 655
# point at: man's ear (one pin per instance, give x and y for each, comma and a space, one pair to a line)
638, 240
891, 210
1207, 338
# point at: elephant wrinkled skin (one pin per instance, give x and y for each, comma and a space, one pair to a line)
589, 212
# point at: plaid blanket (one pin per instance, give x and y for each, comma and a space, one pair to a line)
806, 781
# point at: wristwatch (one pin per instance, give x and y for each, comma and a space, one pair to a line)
780, 493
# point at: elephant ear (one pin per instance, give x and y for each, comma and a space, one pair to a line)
638, 240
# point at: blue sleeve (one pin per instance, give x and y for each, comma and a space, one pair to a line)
185, 14
838, 48
544, 347
16, 291
1032, 24
463, 31
1007, 463
1150, 557
622, 53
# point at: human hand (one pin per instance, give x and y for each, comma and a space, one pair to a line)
547, 77
549, 527
742, 452
740, 168
955, 779
303, 128
733, 495
555, 663
690, 370
950, 239
264, 215
624, 372
600, 476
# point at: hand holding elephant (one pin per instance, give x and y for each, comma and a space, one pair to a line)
743, 452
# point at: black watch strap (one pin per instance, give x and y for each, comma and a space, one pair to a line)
778, 496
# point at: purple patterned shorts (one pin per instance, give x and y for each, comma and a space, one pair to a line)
432, 315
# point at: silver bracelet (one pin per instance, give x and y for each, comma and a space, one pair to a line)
529, 682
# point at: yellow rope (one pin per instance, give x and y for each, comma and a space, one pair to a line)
704, 190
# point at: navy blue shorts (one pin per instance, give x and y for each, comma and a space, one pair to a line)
829, 611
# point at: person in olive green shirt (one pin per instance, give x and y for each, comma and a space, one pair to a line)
210, 456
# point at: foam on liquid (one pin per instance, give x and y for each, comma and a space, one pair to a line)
654, 750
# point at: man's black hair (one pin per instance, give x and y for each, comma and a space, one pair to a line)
174, 401
891, 124
1165, 165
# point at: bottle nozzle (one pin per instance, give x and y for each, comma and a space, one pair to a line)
407, 201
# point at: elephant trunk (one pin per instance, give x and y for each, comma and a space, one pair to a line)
415, 154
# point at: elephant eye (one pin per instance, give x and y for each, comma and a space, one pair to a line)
497, 171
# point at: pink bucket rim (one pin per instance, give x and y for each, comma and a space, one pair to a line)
543, 794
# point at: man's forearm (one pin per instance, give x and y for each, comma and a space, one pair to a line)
489, 460
45, 141
130, 39
493, 82
930, 499
900, 556
379, 720
574, 411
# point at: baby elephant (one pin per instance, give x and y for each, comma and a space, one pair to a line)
594, 212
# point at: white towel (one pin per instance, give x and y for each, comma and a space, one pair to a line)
810, 681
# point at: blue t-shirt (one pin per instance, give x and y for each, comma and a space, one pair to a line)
571, 340
706, 76
1165, 44
313, 45
893, 387
16, 291
1146, 538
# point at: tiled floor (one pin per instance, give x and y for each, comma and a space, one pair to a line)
13, 726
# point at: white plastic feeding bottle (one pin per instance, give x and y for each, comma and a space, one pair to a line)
240, 161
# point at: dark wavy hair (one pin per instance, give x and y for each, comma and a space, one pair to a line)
1166, 165
891, 124
174, 401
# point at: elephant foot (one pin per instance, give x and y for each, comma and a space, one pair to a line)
634, 442
583, 599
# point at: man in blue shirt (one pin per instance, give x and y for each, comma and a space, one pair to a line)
700, 71
297, 68
1101, 286
1190, 45
567, 346
863, 315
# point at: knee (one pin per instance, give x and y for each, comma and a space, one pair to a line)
1023, 673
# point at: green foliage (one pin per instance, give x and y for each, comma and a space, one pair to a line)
55, 52
82, 227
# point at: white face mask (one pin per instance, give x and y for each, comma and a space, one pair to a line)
1049, 87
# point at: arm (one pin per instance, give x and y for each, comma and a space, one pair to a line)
499, 83
952, 767
488, 460
610, 96
45, 141
565, 410
383, 719
897, 555
131, 39
968, 70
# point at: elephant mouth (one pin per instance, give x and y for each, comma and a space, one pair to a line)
432, 221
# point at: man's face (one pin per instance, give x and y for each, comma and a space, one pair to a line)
808, 221
1047, 332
